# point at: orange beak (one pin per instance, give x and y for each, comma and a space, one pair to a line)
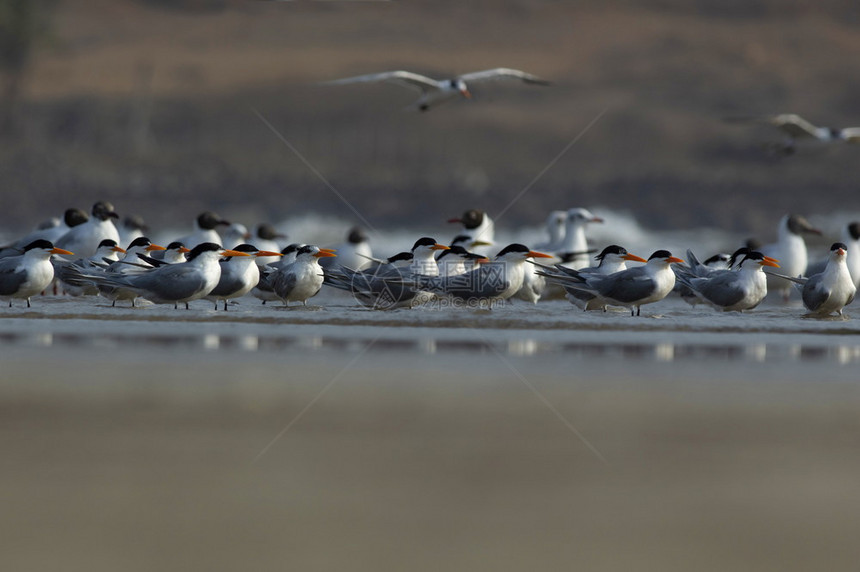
466, 93
324, 254
534, 254
184, 249
61, 251
440, 247
596, 219
118, 249
769, 262
328, 249
674, 260
152, 247
267, 253
234, 253
455, 220
634, 258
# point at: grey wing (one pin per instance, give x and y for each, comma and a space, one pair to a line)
173, 282
400, 77
11, 278
283, 283
485, 282
813, 294
626, 287
722, 290
502, 73
228, 283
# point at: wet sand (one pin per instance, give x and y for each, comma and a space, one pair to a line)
142, 453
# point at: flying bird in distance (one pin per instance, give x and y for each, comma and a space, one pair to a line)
798, 130
436, 91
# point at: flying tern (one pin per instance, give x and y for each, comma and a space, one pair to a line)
436, 91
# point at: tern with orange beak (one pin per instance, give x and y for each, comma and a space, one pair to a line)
829, 291
631, 288
491, 282
239, 274
174, 283
731, 290
611, 259
301, 279
30, 273
388, 286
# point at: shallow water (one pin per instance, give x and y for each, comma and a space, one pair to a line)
668, 331
336, 437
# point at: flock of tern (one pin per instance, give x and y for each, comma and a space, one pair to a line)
82, 256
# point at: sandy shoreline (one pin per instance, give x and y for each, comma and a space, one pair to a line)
403, 460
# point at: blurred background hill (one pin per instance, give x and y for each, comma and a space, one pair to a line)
153, 105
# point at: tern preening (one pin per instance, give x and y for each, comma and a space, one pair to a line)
798, 130
436, 91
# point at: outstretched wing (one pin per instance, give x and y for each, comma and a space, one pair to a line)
502, 73
790, 123
405, 78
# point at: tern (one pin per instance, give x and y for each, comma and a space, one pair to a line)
493, 281
611, 259
388, 286
631, 288
797, 130
732, 290
173, 283
84, 239
789, 250
433, 91
454, 260
263, 290
29, 273
830, 290
303, 278
239, 274
131, 263
850, 237
174, 253
107, 253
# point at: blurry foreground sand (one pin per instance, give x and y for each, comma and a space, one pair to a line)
415, 462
